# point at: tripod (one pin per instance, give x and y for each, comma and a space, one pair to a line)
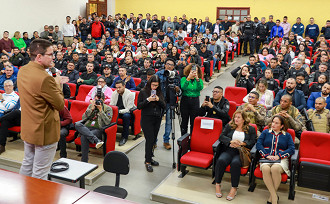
172, 116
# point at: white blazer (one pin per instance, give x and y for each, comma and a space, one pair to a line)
128, 100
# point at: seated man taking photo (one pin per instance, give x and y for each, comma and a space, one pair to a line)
96, 116
216, 107
124, 100
101, 83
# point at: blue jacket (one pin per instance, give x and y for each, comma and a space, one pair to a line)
129, 85
312, 30
123, 49
3, 79
201, 28
313, 97
15, 70
269, 144
298, 29
298, 101
277, 31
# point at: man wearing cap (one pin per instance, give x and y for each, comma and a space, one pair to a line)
109, 78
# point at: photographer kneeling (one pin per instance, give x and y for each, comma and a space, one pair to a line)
96, 116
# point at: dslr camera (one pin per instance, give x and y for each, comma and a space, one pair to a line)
99, 95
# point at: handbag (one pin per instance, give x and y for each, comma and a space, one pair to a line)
244, 154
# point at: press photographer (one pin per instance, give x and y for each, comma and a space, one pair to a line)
169, 78
96, 116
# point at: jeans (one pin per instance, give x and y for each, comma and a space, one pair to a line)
62, 142
168, 124
126, 122
230, 156
214, 62
88, 135
37, 160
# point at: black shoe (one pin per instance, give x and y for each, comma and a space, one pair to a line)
269, 202
149, 168
245, 55
2, 149
122, 141
207, 78
154, 163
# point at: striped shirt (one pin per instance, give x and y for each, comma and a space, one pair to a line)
9, 101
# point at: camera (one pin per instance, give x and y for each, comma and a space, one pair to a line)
99, 95
169, 74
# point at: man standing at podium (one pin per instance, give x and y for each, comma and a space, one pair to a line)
41, 99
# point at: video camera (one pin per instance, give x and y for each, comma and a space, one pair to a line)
99, 95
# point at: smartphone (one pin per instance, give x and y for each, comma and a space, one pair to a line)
207, 98
181, 59
153, 93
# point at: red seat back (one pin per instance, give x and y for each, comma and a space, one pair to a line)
136, 96
203, 139
315, 146
232, 108
66, 103
73, 88
83, 92
137, 81
114, 114
311, 84
255, 127
278, 81
77, 109
284, 84
235, 94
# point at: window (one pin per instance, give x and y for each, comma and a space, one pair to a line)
233, 13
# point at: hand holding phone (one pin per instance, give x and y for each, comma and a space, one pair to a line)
153, 93
207, 98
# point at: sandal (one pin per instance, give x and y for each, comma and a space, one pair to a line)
218, 195
229, 198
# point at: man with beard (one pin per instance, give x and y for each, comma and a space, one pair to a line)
324, 94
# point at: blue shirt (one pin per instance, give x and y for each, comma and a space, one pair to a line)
129, 85
312, 30
277, 31
3, 78
298, 29
15, 70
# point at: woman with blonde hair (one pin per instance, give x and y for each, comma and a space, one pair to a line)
18, 40
191, 86
266, 97
237, 133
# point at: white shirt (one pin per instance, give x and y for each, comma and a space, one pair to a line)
238, 136
69, 30
9, 102
183, 34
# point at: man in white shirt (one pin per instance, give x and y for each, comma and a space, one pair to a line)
69, 31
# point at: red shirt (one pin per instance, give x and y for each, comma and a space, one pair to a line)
7, 45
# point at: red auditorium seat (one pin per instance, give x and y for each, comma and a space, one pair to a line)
110, 134
83, 92
235, 94
137, 81
73, 88
311, 84
197, 150
314, 161
77, 109
284, 84
232, 108
284, 177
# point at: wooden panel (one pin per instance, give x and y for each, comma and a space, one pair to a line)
93, 197
102, 9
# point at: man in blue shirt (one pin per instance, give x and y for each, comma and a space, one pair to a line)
277, 30
324, 94
127, 79
312, 30
8, 75
298, 28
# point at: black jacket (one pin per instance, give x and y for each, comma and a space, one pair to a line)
227, 135
73, 76
262, 31
113, 66
248, 28
84, 28
219, 111
243, 82
207, 55
153, 108
272, 85
278, 73
292, 73
303, 88
61, 64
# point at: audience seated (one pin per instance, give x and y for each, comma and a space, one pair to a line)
272, 84
320, 117
324, 94
71, 72
124, 100
8, 75
89, 76
302, 84
298, 98
216, 107
101, 83
143, 83
317, 87
17, 59
66, 120
127, 79
107, 74
95, 117
266, 97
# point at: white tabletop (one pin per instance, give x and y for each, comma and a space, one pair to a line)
76, 170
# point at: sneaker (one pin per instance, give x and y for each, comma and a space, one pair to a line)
167, 145
99, 144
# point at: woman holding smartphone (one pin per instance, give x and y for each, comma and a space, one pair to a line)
151, 103
191, 86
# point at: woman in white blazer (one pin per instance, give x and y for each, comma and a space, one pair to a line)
266, 96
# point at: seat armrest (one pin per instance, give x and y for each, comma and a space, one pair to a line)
215, 146
107, 126
183, 139
132, 109
253, 151
294, 157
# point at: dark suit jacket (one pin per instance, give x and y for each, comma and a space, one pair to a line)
227, 135
208, 25
299, 99
143, 24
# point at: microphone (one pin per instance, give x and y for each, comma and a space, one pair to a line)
53, 71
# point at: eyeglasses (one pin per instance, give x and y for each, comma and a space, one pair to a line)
215, 91
169, 64
252, 97
8, 85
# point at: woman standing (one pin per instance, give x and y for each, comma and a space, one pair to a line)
191, 86
275, 144
236, 134
266, 97
151, 103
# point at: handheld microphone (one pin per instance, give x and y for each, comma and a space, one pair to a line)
53, 71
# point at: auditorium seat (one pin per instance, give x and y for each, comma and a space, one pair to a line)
257, 173
196, 149
73, 88
109, 134
83, 92
232, 108
235, 94
137, 81
77, 109
314, 161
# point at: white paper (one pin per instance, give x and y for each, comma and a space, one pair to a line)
207, 124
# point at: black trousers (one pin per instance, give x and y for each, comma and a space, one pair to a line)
189, 110
7, 121
259, 41
62, 142
230, 156
250, 39
150, 126
207, 68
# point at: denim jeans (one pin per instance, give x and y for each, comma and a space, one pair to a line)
168, 124
126, 122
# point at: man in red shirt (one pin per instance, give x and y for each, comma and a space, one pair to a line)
97, 29
6, 44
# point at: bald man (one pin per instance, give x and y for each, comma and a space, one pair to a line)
320, 116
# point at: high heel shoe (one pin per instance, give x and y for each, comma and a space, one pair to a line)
278, 198
229, 198
218, 195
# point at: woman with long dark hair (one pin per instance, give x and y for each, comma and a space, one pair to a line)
151, 103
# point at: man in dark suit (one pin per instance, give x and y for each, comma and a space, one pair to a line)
146, 23
207, 24
298, 97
